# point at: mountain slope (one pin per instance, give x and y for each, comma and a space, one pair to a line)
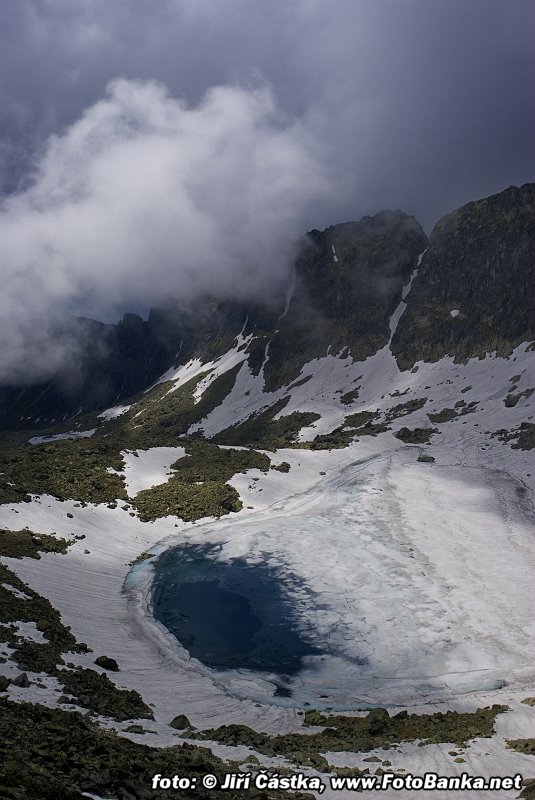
475, 290
386, 484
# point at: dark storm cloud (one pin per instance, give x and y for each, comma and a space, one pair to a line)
419, 103
155, 182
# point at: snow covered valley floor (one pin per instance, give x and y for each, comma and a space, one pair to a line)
401, 573
413, 579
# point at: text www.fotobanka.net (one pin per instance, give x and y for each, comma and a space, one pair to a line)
242, 781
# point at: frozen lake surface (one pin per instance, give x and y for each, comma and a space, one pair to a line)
410, 581
228, 614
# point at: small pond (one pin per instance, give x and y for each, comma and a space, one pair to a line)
228, 614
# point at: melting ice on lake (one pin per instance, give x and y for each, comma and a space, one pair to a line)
392, 584
229, 614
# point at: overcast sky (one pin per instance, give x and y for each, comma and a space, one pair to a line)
139, 139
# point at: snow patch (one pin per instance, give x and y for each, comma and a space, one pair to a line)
28, 630
113, 413
15, 591
60, 436
147, 468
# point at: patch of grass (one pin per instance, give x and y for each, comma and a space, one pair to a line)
512, 399
74, 469
25, 605
78, 469
187, 501
360, 424
528, 792
402, 409
165, 414
206, 461
301, 382
282, 467
526, 746
524, 435
262, 430
26, 544
95, 691
361, 734
350, 397
198, 488
446, 415
416, 435
467, 409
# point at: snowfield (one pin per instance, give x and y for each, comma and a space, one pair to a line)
417, 576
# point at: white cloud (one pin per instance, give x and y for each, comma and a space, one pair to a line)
145, 197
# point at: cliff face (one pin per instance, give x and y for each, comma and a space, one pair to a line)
349, 280
475, 290
474, 293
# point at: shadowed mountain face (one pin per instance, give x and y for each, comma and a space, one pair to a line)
111, 362
349, 280
474, 292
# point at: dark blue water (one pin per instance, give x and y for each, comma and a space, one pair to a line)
229, 615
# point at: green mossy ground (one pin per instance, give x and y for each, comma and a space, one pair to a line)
512, 399
449, 414
79, 469
524, 435
31, 607
95, 691
522, 745
26, 544
350, 397
415, 435
88, 687
187, 501
361, 734
282, 467
360, 424
263, 431
65, 469
528, 792
365, 423
446, 415
165, 414
206, 461
402, 409
47, 754
199, 487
